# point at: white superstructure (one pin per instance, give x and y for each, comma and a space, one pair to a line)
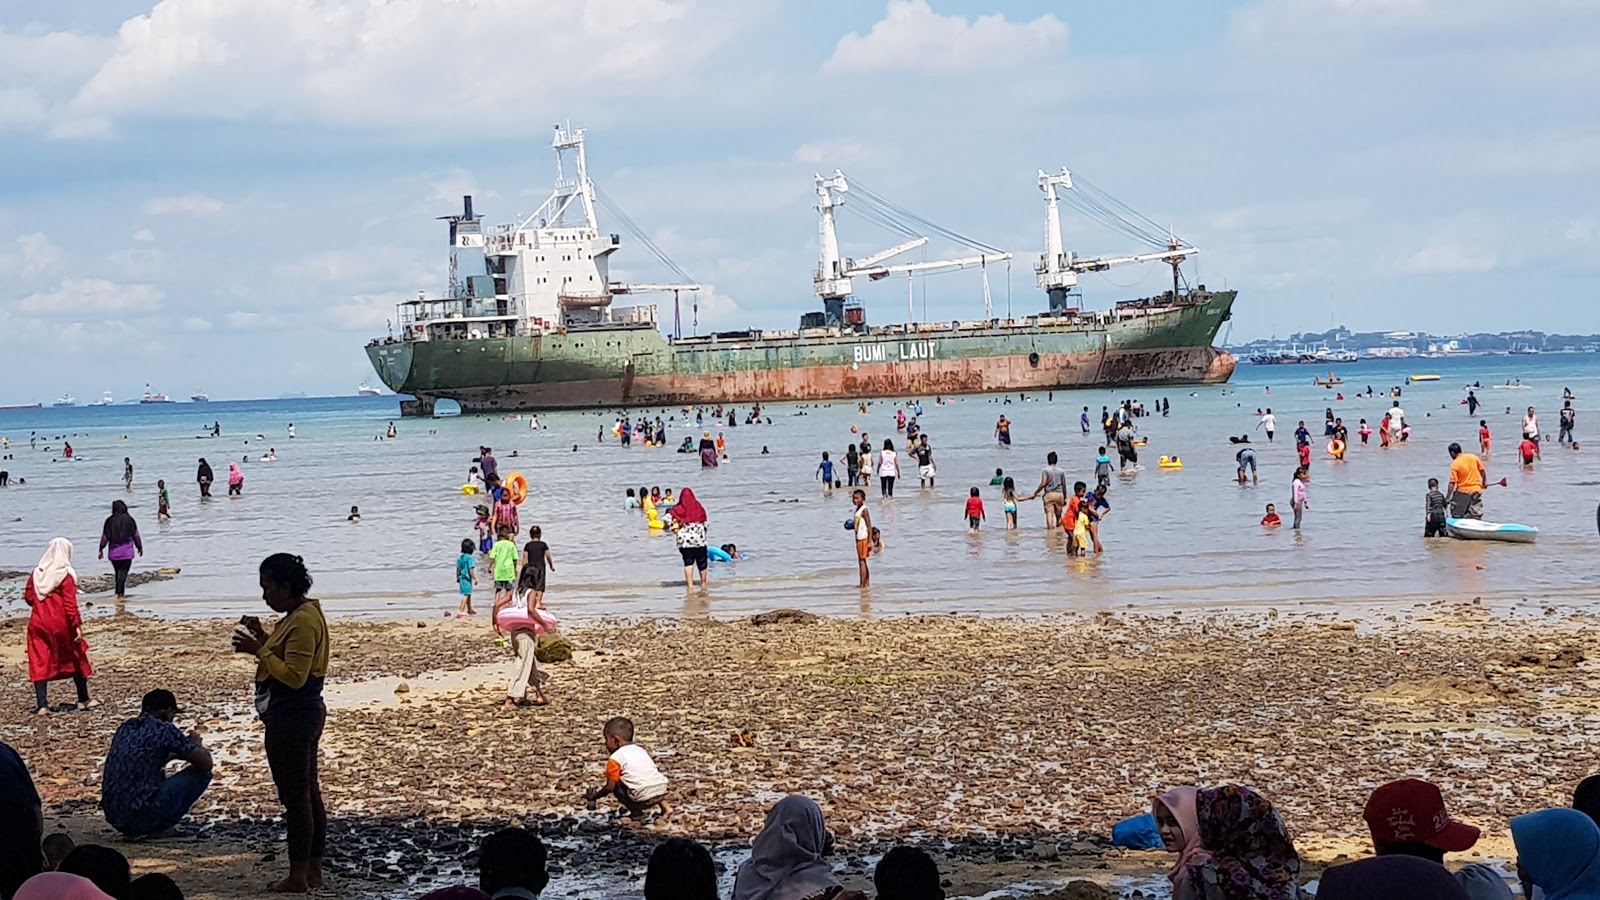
549, 270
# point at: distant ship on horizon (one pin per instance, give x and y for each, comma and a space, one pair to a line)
105, 400
65, 401
153, 397
200, 396
367, 390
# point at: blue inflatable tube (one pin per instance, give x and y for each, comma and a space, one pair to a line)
717, 554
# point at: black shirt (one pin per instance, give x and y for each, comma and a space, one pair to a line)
924, 455
536, 551
16, 785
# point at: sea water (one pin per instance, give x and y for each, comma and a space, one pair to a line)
1184, 538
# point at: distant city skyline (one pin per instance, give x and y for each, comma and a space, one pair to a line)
234, 196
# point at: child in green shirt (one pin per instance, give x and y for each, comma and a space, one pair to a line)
504, 556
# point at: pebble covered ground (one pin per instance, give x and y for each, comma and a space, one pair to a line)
1008, 746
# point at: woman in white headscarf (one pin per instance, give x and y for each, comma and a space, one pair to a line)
56, 648
786, 860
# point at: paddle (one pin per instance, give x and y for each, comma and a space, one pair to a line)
1502, 483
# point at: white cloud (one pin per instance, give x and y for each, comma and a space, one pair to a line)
1444, 258
195, 324
830, 155
83, 298
183, 205
34, 256
385, 64
144, 235
367, 312
244, 321
911, 37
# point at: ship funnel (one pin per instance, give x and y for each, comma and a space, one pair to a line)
466, 206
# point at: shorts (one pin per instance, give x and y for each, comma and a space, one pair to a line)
863, 548
925, 472
628, 796
1005, 438
1247, 464
502, 585
466, 588
694, 556
972, 521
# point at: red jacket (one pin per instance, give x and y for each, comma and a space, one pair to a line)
54, 649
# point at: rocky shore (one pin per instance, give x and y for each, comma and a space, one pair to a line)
1007, 747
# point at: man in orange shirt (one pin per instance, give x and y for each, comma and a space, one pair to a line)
1467, 477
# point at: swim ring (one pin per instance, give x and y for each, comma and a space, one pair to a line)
538, 621
1140, 442
469, 489
1170, 462
717, 554
517, 484
1336, 447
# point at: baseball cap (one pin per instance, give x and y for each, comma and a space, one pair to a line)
159, 700
1412, 812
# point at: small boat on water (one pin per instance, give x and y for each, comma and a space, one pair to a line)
1479, 530
65, 401
105, 400
367, 390
153, 397
1331, 381
22, 406
1415, 378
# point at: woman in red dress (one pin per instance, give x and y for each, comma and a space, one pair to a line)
56, 648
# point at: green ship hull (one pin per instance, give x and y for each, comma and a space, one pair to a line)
1149, 342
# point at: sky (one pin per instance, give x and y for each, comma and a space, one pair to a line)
234, 196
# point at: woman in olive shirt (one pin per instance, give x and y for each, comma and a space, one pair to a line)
292, 664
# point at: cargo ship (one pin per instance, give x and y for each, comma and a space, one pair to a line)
529, 320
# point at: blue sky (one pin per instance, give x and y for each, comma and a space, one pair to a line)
235, 195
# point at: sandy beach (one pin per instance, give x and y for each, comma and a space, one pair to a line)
1008, 746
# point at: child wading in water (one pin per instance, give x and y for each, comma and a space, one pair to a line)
974, 510
1483, 436
631, 775
861, 523
1008, 490
1297, 495
163, 502
825, 472
1433, 507
1271, 520
504, 556
524, 642
466, 577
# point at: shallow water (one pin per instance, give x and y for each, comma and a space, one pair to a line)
1185, 539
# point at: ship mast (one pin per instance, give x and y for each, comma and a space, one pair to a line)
832, 280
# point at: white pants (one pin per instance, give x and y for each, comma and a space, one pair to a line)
527, 674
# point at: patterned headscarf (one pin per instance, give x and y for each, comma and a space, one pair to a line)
1248, 852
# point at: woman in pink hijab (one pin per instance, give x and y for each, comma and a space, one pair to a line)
59, 886
1179, 823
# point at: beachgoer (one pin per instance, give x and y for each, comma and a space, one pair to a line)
680, 869
1083, 421
999, 478
204, 477
1483, 436
787, 859
127, 472
1391, 878
1246, 458
120, 540
888, 469
1472, 403
1271, 519
1269, 422
631, 775
1179, 825
825, 472
1364, 431
1008, 491
1530, 425
163, 502
925, 469
974, 510
1053, 484
466, 578
1467, 480
291, 666
852, 464
722, 444
513, 863
1002, 431
1529, 451
1433, 506
56, 648
861, 524
708, 451
1569, 418
1408, 818
1297, 495
138, 797
690, 528
1385, 431
503, 553
489, 466
1097, 507
907, 873
235, 480
1102, 467
291, 429
1246, 851
503, 512
536, 556
526, 598
1558, 851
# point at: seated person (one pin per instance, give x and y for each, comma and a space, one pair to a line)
1408, 818
906, 873
136, 794
512, 863
21, 823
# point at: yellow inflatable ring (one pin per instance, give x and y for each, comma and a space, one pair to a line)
1141, 442
469, 489
1170, 462
1336, 447
517, 485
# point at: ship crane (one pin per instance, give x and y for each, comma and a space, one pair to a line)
833, 279
1058, 269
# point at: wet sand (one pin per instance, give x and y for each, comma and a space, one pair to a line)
1007, 746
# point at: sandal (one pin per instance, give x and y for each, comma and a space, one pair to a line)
43, 710
92, 704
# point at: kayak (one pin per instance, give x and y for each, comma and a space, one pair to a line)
1479, 530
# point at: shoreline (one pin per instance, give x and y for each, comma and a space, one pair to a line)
1006, 746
